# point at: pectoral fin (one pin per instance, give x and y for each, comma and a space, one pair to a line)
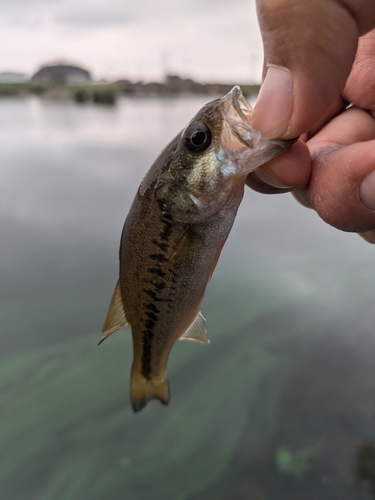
184, 255
116, 318
197, 330
216, 260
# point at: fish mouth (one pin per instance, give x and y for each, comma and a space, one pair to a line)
236, 110
250, 147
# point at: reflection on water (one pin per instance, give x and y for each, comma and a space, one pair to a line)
279, 406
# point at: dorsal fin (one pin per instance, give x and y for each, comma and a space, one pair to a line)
197, 330
116, 318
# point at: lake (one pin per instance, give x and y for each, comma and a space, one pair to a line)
280, 405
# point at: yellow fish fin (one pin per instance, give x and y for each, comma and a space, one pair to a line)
197, 330
116, 318
143, 389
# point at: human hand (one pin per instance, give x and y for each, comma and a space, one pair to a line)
312, 71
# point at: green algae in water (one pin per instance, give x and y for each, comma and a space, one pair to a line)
231, 420
78, 397
294, 463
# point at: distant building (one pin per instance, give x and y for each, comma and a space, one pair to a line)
175, 79
61, 73
10, 77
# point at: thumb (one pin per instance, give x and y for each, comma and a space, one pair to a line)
309, 49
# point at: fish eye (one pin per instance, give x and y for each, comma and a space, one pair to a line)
198, 139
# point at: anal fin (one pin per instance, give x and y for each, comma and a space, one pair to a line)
197, 330
116, 317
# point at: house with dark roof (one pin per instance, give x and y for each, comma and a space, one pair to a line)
61, 73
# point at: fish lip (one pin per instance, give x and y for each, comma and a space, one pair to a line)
246, 145
237, 112
235, 100
240, 121
240, 104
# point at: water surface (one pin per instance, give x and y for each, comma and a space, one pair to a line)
280, 405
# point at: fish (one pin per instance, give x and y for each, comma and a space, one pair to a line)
174, 233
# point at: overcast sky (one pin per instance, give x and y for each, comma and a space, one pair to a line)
210, 40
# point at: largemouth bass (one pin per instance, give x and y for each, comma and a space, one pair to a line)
173, 235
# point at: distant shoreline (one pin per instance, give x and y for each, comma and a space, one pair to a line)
107, 93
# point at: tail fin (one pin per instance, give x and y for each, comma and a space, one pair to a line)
143, 390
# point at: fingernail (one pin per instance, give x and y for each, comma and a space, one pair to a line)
267, 177
367, 191
274, 106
